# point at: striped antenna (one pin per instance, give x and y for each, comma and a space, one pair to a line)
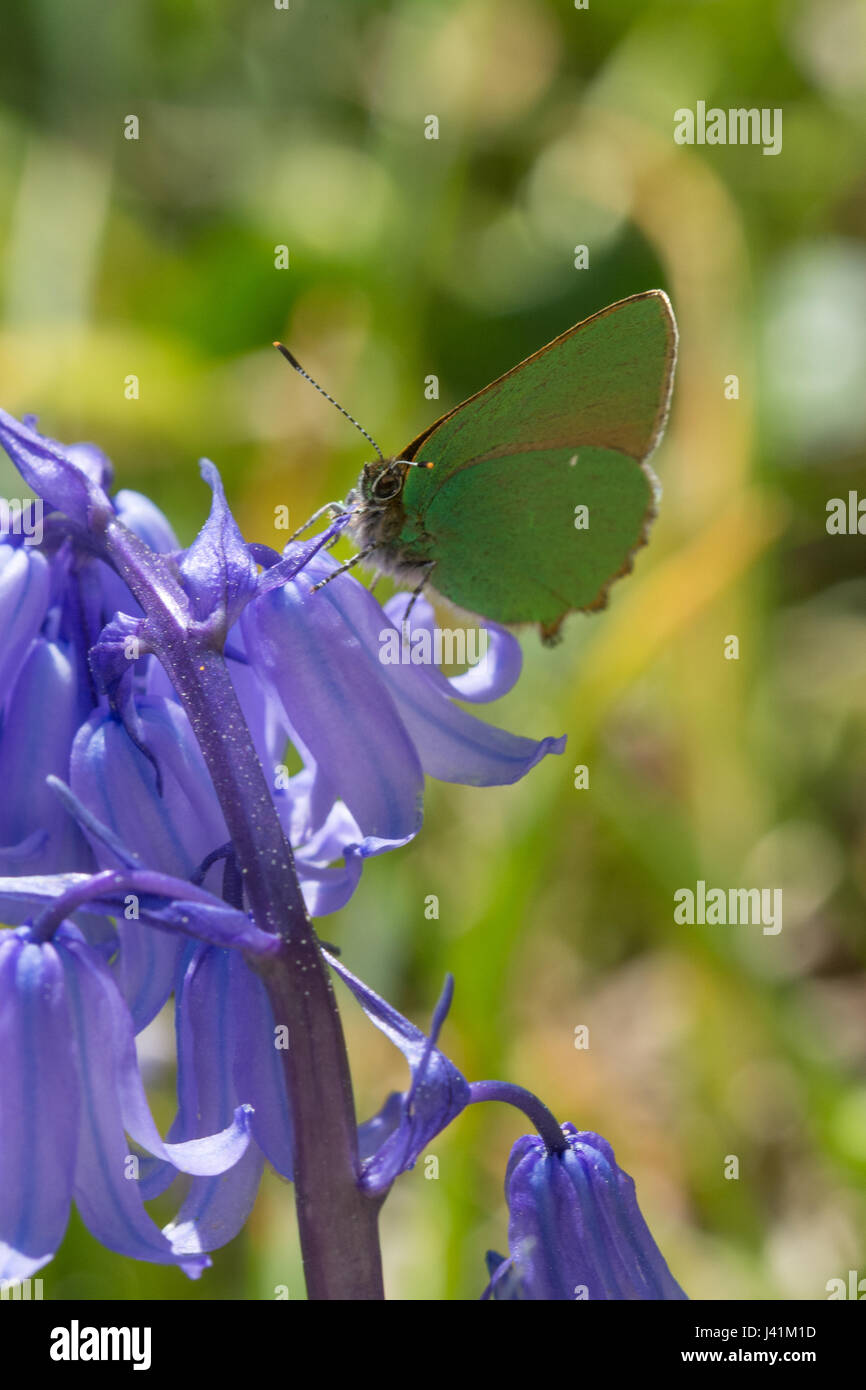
293, 362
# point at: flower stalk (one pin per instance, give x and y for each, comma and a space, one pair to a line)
534, 1109
337, 1221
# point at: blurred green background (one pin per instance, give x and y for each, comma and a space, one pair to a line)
305, 128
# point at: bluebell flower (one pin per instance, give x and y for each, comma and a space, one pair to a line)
373, 727
575, 1229
72, 479
213, 1025
229, 1049
132, 647
306, 668
36, 832
217, 571
392, 1140
25, 588
70, 1092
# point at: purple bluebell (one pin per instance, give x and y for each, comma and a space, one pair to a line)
375, 728
306, 668
70, 1092
575, 1229
25, 588
176, 679
229, 1048
392, 1140
40, 721
72, 479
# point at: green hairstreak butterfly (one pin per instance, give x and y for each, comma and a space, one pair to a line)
527, 501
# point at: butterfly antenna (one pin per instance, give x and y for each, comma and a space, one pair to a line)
293, 362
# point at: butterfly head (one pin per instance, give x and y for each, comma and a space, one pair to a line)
381, 483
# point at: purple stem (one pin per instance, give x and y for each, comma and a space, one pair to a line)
102, 885
524, 1100
337, 1221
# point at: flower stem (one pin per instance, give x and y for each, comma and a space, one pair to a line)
524, 1100
337, 1221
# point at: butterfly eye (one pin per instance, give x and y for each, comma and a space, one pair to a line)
386, 486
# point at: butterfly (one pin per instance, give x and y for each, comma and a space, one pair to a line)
525, 502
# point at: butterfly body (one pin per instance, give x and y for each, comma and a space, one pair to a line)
379, 525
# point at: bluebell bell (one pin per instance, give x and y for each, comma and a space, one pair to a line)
228, 1054
393, 1139
575, 1229
25, 588
36, 833
72, 479
374, 728
70, 1092
98, 1070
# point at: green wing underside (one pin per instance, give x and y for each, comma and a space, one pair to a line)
497, 510
504, 538
606, 382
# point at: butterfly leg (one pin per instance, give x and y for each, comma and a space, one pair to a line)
428, 568
331, 509
350, 564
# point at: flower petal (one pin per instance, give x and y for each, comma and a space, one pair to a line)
222, 1027
336, 699
172, 831
92, 461
438, 1091
40, 724
327, 890
107, 1018
39, 1103
453, 746
215, 1210
217, 570
258, 1069
106, 1193
61, 477
575, 1227
25, 587
145, 966
490, 678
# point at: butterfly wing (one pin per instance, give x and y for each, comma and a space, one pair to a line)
570, 427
